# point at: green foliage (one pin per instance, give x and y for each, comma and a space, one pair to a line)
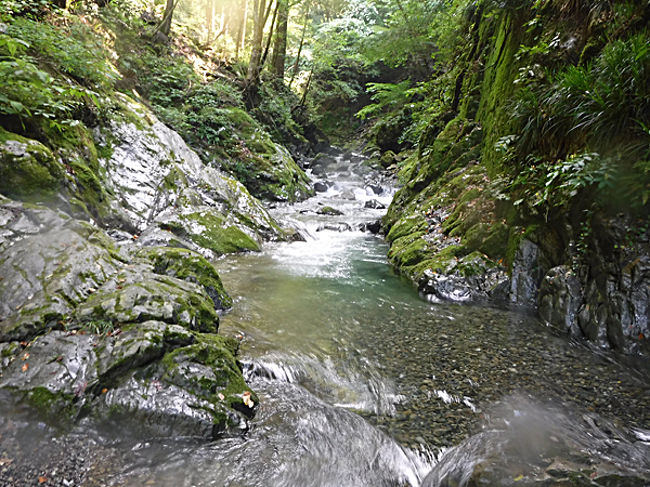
164, 80
602, 107
73, 50
35, 60
386, 97
28, 91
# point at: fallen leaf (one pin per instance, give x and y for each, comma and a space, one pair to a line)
25, 367
221, 397
25, 355
42, 479
247, 399
104, 390
518, 478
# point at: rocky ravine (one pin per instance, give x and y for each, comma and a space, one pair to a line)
123, 321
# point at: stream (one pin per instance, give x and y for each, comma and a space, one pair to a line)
363, 383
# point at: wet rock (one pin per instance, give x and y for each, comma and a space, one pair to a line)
372, 227
560, 298
158, 180
28, 169
470, 278
375, 188
335, 227
169, 379
526, 274
374, 204
320, 187
191, 267
328, 210
49, 263
137, 294
90, 328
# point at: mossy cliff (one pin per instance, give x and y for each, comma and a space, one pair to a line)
516, 180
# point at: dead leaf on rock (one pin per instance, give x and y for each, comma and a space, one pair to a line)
247, 399
25, 367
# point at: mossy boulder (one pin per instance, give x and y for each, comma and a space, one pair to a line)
489, 238
188, 266
156, 377
137, 294
266, 168
28, 169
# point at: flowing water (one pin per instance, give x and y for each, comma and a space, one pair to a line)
362, 383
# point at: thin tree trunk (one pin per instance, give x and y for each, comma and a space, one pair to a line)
296, 64
304, 95
166, 24
280, 45
241, 32
256, 48
209, 18
268, 39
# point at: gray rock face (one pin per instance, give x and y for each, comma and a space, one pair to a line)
160, 185
604, 295
526, 275
49, 263
472, 279
560, 298
87, 328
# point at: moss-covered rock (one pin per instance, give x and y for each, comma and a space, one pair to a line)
137, 294
188, 266
266, 169
28, 169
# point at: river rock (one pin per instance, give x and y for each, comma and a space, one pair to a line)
335, 227
374, 204
328, 210
320, 187
470, 278
372, 227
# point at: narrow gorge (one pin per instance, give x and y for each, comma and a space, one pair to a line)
410, 250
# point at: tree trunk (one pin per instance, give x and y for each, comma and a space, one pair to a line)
270, 36
241, 31
296, 64
304, 95
280, 45
209, 19
256, 48
166, 24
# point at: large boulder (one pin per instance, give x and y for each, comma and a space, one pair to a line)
87, 327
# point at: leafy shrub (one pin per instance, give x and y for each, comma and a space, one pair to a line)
28, 91
602, 107
75, 50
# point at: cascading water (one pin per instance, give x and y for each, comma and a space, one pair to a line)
362, 383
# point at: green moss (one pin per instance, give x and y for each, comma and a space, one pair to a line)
214, 236
498, 85
408, 250
189, 266
409, 225
52, 404
28, 169
489, 238
328, 210
439, 262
